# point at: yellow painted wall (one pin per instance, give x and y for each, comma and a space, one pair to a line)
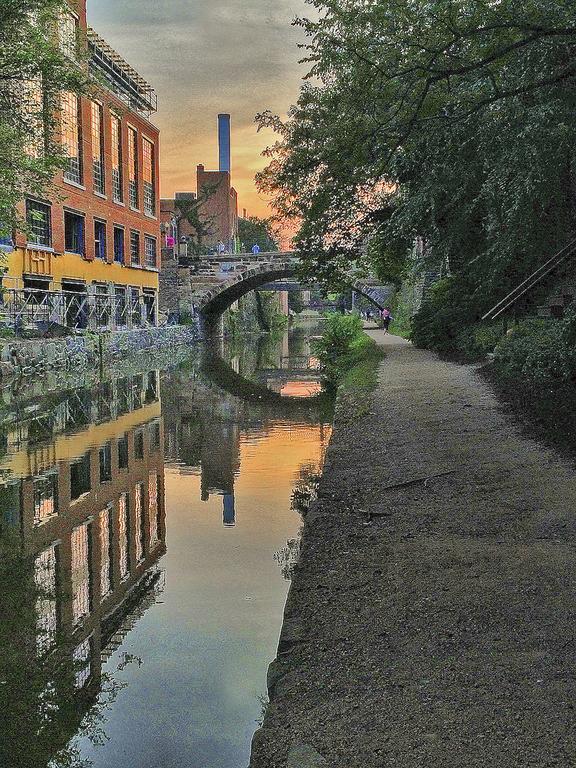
30, 462
72, 266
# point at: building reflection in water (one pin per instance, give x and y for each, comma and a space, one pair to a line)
83, 521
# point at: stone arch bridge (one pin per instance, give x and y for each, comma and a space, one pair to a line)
219, 281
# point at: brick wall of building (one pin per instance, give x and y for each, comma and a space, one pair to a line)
82, 199
220, 210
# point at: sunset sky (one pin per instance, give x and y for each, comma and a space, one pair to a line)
204, 57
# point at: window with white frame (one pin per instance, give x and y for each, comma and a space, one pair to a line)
68, 33
148, 174
135, 248
150, 251
117, 192
133, 190
98, 148
38, 217
72, 137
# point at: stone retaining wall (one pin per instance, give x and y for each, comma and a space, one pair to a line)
25, 358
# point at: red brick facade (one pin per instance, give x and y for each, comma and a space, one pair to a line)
220, 210
91, 205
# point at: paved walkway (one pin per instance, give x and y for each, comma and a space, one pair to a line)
432, 618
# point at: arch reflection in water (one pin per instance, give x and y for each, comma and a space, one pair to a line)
83, 528
239, 390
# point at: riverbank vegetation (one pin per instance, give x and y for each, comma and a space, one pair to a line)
448, 125
348, 356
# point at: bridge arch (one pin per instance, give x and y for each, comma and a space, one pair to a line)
216, 299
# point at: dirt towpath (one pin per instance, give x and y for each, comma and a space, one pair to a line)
432, 617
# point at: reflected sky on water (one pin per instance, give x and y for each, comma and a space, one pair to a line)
142, 529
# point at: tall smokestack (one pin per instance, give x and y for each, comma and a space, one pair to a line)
224, 142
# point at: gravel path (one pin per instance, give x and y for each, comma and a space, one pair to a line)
432, 618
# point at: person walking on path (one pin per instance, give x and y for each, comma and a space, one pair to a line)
387, 318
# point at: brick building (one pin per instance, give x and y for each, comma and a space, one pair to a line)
219, 210
217, 200
91, 256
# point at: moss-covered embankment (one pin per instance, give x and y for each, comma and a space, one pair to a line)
430, 618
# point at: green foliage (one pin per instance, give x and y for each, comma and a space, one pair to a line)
295, 302
187, 317
537, 352
452, 121
448, 309
257, 311
401, 324
30, 56
345, 352
476, 341
256, 231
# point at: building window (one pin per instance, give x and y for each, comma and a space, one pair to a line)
149, 177
100, 239
38, 216
80, 566
106, 463
33, 108
150, 259
123, 452
117, 195
72, 137
80, 477
133, 167
135, 310
45, 498
98, 148
135, 248
73, 233
119, 245
68, 34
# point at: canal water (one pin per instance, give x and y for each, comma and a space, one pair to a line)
147, 539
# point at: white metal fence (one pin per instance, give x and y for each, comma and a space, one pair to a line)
78, 310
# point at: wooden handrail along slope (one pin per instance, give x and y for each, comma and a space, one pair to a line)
525, 286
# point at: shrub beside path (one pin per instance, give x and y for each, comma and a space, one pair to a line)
432, 617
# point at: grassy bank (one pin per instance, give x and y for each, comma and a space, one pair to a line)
349, 360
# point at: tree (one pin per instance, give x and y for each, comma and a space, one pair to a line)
295, 302
36, 67
192, 212
256, 231
453, 121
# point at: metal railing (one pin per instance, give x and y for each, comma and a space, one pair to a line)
77, 310
526, 285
